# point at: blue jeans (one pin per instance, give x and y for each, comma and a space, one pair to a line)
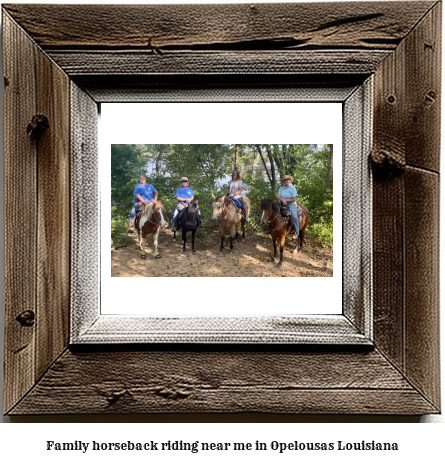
294, 216
133, 212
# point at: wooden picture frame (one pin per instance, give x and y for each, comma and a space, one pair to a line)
76, 56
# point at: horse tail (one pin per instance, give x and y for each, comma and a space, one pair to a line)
247, 204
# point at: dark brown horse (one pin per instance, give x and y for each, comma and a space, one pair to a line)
279, 226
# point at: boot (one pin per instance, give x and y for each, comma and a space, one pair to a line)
245, 214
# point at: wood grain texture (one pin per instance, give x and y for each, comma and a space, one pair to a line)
78, 63
407, 113
84, 206
388, 268
406, 276
20, 212
422, 364
222, 382
154, 27
423, 91
397, 41
357, 209
53, 228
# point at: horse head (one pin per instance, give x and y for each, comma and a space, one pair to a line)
266, 210
192, 214
217, 207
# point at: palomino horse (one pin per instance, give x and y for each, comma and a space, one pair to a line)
279, 227
226, 212
150, 221
188, 221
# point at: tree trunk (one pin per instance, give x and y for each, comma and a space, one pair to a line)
236, 157
158, 163
270, 174
330, 173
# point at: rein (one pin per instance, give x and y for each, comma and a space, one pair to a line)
149, 220
270, 221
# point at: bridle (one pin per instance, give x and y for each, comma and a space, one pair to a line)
269, 221
152, 214
221, 209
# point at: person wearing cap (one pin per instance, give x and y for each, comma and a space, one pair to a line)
184, 195
144, 193
234, 190
287, 195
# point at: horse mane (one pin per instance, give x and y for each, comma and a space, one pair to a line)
148, 210
266, 203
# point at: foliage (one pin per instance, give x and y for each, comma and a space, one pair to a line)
208, 168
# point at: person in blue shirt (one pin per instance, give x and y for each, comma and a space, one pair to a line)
184, 195
287, 195
144, 193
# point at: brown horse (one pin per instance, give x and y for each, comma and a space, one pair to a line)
226, 212
279, 226
150, 222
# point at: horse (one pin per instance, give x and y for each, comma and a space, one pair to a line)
188, 221
149, 222
279, 227
226, 212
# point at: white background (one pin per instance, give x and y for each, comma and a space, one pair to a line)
211, 123
25, 443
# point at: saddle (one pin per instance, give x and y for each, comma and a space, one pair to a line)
285, 211
139, 209
241, 201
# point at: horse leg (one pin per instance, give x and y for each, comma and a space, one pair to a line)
193, 240
282, 241
184, 239
143, 256
244, 227
232, 237
155, 242
174, 236
236, 232
221, 229
274, 242
300, 238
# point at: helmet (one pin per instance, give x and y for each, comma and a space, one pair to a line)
184, 179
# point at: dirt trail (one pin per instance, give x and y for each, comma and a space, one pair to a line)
251, 257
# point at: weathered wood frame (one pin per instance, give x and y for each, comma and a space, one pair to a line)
77, 56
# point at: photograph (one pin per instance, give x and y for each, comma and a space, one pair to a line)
223, 209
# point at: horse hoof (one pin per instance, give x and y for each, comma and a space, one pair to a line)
194, 251
158, 256
221, 251
272, 259
143, 257
280, 264
229, 252
174, 240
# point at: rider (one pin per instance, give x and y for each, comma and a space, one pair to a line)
184, 195
234, 190
144, 193
287, 195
